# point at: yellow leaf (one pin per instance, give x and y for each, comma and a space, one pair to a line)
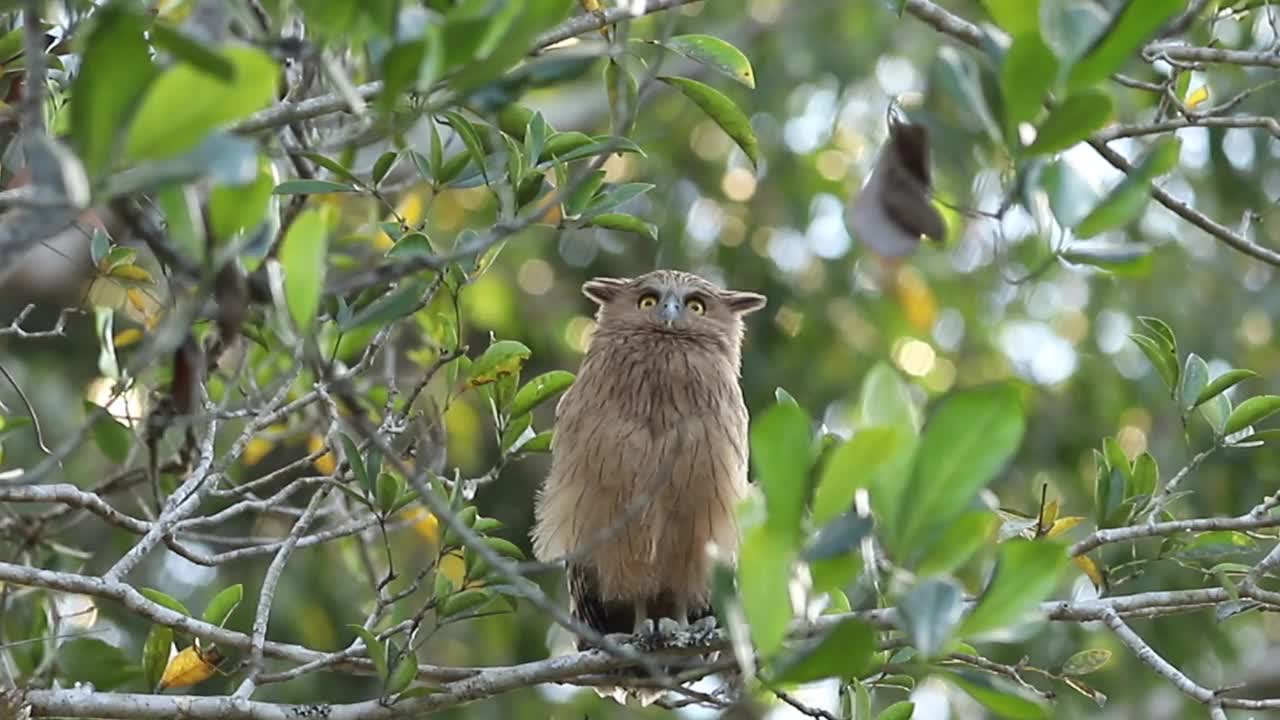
257, 449
125, 338
1197, 97
131, 272
1090, 568
916, 299
189, 667
139, 300
424, 523
453, 567
326, 463
1050, 514
1063, 525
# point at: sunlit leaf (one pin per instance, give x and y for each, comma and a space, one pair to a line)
303, 256
715, 54
1131, 26
1014, 16
185, 103
1026, 572
1253, 410
115, 70
723, 111
780, 447
1074, 119
539, 390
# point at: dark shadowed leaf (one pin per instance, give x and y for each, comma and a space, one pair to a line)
390, 307
929, 613
958, 542
155, 654
844, 651
90, 660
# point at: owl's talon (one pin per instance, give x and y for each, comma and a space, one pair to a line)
644, 627
705, 624
668, 626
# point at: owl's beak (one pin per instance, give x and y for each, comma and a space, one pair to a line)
670, 309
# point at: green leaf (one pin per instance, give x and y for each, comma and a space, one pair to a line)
853, 465
886, 400
623, 95
505, 548
1071, 121
715, 54
1222, 383
1026, 572
1118, 259
1086, 661
1215, 412
1161, 332
929, 613
155, 654
470, 138
352, 453
1026, 77
223, 604
1015, 16
1195, 378
1132, 26
500, 359
164, 600
306, 245
238, 208
614, 196
389, 490
723, 111
115, 70
765, 564
780, 447
1146, 474
463, 601
90, 660
623, 222
539, 390
1253, 410
111, 437
844, 651
1127, 200
538, 443
383, 165
187, 49
311, 187
185, 103
838, 538
402, 675
1000, 698
901, 710
414, 244
333, 166
582, 193
376, 649
390, 307
1117, 459
1164, 361
968, 439
958, 542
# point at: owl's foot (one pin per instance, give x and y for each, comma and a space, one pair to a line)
706, 624
644, 628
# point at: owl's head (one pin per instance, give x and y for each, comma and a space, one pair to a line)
670, 302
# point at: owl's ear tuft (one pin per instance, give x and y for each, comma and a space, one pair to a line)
744, 303
603, 289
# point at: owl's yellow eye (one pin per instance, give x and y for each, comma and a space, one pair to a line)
697, 306
648, 301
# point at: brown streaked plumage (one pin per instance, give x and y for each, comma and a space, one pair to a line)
650, 452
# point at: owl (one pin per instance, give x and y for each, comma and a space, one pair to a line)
649, 457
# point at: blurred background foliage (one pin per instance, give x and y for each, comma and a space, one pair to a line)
991, 303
